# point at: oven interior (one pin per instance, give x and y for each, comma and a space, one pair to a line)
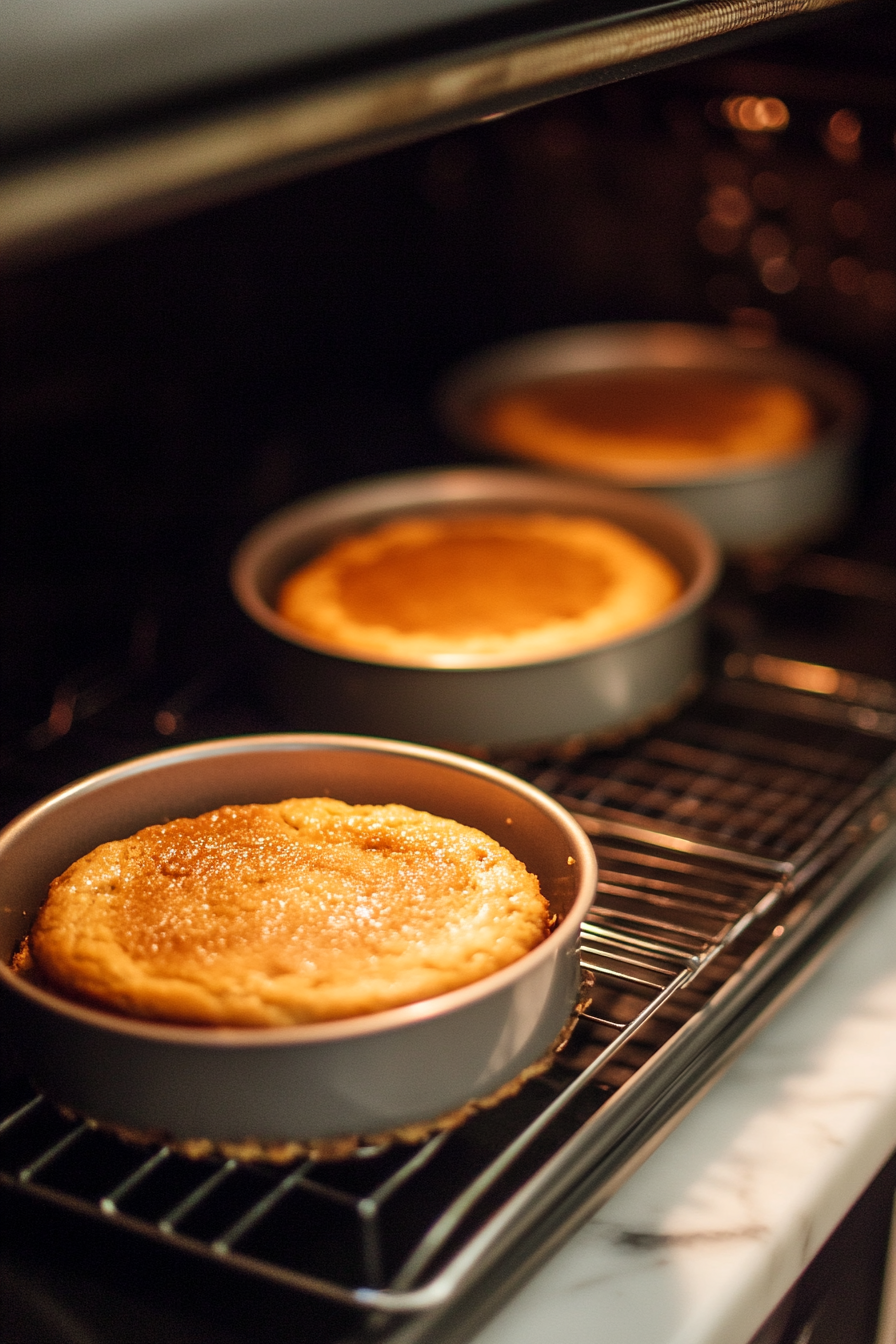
164, 392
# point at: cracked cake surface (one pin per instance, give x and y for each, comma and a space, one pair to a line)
305, 910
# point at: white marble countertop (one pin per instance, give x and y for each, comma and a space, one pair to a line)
704, 1240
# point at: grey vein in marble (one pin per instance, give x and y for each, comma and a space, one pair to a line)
703, 1241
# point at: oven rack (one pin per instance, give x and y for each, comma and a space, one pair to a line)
725, 841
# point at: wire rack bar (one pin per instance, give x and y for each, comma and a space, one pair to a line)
677, 913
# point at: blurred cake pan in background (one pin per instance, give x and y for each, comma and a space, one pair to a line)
487, 698
756, 443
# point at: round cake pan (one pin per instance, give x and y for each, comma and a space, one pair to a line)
788, 503
356, 1076
493, 707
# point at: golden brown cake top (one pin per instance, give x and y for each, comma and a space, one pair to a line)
276, 914
450, 588
644, 424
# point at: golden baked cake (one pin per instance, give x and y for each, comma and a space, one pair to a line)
267, 915
642, 425
449, 589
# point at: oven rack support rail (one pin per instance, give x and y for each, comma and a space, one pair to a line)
788, 783
173, 161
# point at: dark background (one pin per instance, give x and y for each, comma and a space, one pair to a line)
163, 392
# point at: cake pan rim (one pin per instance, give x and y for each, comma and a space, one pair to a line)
334, 1030
453, 401
266, 533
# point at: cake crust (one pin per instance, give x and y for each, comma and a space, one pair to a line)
269, 915
642, 425
448, 589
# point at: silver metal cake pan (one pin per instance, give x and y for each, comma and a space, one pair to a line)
789, 503
357, 1076
495, 705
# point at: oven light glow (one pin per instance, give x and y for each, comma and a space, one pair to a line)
845, 127
730, 205
798, 676
842, 134
779, 275
746, 113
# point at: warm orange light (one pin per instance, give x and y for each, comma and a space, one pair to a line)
768, 240
799, 676
842, 135
746, 113
845, 127
779, 275
730, 205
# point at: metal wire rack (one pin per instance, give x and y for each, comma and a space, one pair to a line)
722, 840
